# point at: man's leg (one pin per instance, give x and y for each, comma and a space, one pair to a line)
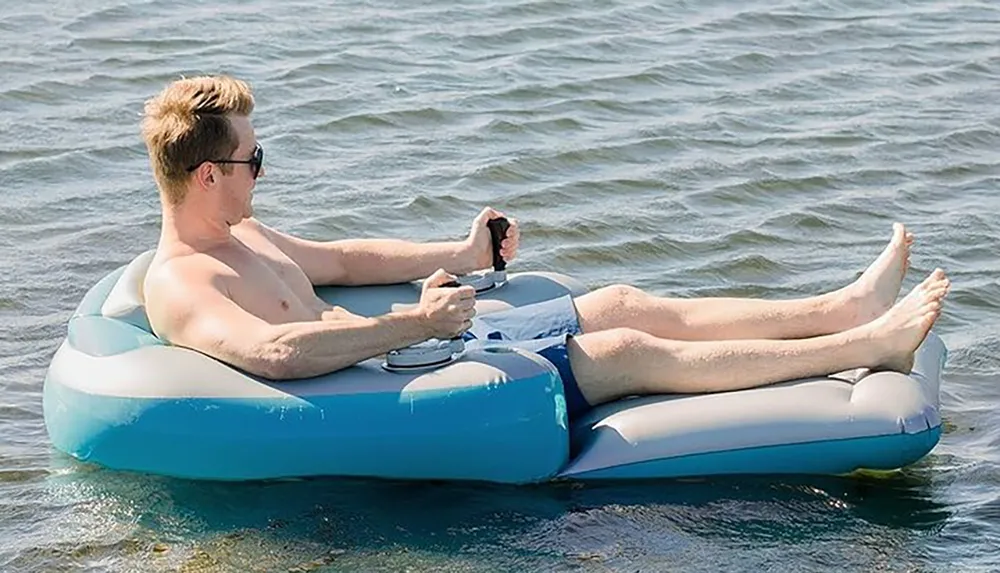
867, 298
622, 362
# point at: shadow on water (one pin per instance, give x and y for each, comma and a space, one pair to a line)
366, 515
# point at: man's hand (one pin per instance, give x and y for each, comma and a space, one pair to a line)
479, 239
447, 311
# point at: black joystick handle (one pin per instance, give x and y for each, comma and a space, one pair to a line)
498, 231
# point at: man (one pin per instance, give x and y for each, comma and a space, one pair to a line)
227, 285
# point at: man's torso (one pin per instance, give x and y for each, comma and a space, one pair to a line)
251, 271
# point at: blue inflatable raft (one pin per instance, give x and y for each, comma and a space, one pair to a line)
118, 396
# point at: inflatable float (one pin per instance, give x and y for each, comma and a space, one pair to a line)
118, 396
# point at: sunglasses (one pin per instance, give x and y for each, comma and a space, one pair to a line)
255, 162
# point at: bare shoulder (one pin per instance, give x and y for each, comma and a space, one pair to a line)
320, 261
265, 240
175, 286
189, 304
184, 272
291, 244
253, 226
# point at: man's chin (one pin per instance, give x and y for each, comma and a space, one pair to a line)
243, 217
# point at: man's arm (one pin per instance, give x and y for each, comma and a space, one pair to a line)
211, 323
203, 318
371, 261
384, 261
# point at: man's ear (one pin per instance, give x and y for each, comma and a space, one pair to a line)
205, 174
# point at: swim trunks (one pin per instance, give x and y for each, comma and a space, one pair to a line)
543, 328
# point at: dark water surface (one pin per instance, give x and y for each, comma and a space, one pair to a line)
720, 147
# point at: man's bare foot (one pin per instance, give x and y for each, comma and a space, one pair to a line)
876, 289
899, 332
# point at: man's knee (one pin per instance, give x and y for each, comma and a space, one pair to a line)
607, 363
615, 306
615, 343
622, 298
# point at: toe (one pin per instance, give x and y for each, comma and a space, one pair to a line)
898, 232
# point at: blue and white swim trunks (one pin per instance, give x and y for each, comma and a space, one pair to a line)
543, 328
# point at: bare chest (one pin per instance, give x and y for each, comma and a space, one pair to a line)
269, 285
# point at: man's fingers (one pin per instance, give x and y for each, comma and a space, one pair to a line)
462, 328
489, 213
439, 278
508, 247
485, 215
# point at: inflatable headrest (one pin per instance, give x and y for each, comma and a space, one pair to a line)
126, 302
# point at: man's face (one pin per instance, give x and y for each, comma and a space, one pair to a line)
237, 187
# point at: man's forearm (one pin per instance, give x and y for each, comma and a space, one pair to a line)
384, 261
306, 349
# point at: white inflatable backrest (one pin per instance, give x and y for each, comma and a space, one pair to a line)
126, 302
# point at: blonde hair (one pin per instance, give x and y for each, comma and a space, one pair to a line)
188, 123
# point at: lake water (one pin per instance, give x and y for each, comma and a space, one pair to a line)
692, 148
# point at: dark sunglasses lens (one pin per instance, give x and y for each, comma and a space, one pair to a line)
258, 161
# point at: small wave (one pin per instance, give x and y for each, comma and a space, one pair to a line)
174, 46
395, 119
964, 171
973, 139
552, 125
774, 20
16, 476
632, 252
86, 20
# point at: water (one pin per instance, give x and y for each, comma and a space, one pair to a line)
720, 147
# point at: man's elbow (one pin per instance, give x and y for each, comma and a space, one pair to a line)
280, 362
275, 362
273, 370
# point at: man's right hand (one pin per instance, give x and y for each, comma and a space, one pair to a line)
447, 311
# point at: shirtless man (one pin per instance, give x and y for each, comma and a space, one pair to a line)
230, 287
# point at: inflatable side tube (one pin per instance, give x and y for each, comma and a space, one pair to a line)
833, 425
494, 416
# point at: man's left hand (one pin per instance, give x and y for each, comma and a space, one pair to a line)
479, 239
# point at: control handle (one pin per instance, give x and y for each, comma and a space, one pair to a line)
498, 231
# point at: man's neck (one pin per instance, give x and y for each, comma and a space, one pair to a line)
188, 224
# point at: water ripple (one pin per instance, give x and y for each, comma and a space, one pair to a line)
693, 149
